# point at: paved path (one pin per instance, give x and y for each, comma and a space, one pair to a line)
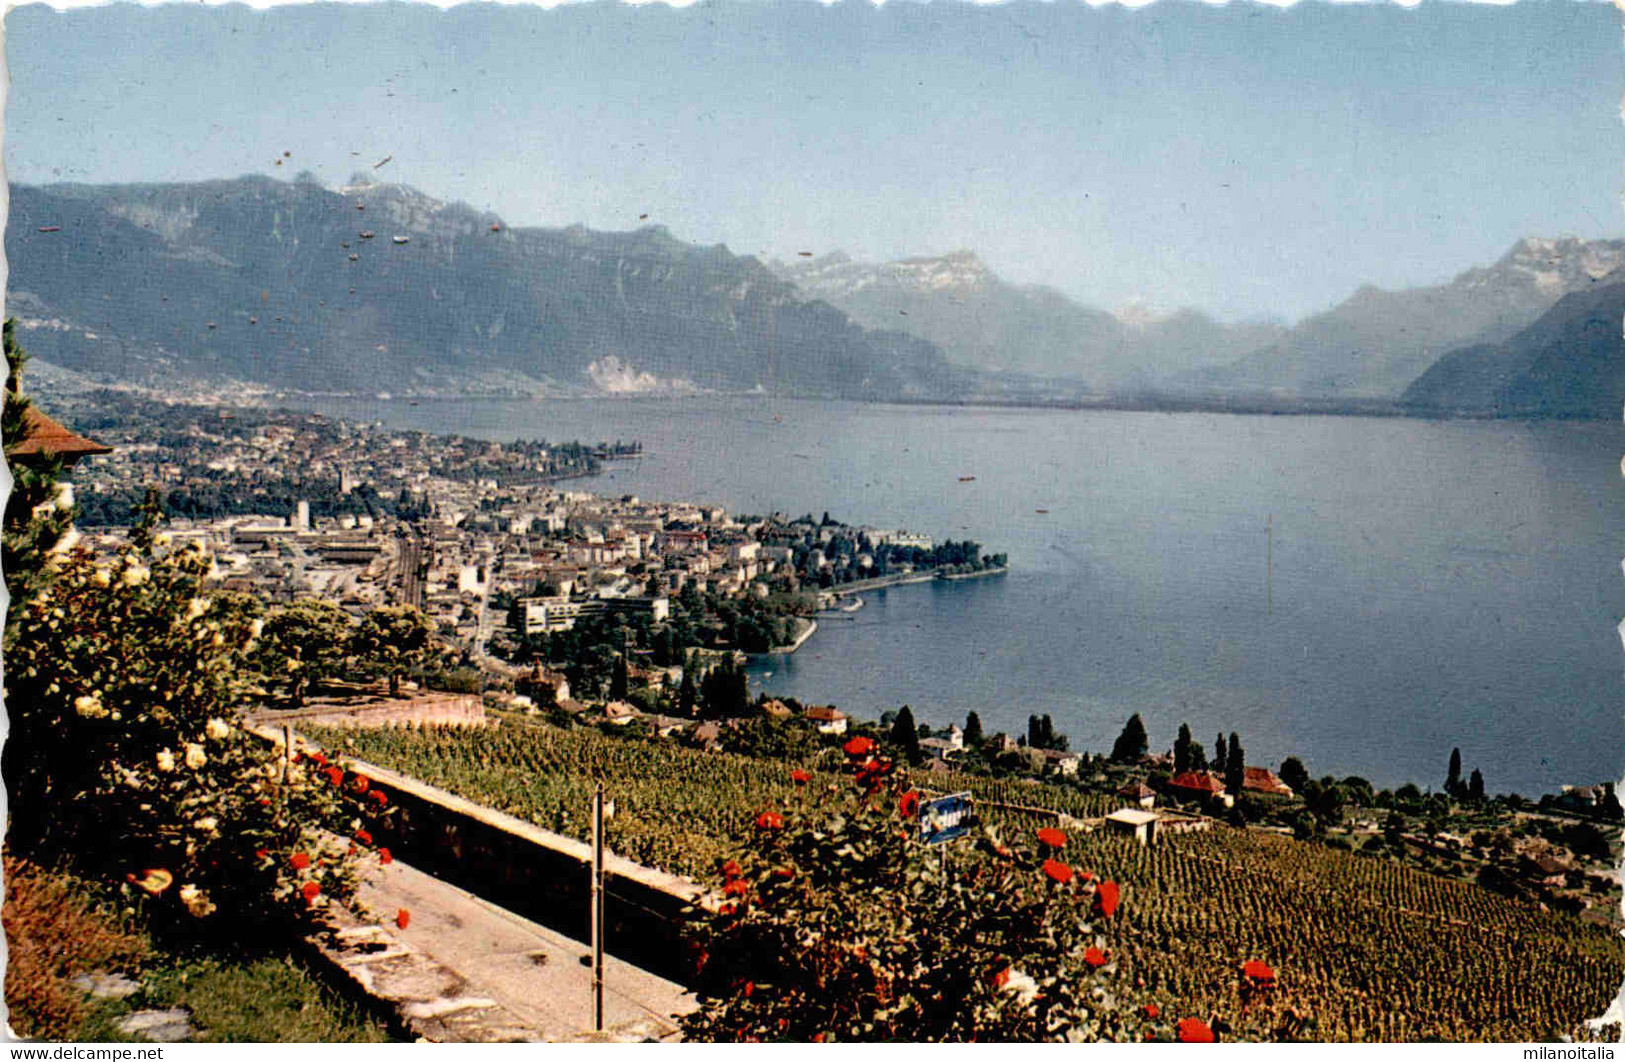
466, 969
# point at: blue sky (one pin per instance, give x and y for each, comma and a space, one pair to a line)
1245, 159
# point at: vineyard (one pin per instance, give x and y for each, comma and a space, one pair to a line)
1367, 949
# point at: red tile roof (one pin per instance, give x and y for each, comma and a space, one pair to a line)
44, 436
1198, 782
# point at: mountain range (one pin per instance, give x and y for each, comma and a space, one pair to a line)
379, 288
983, 322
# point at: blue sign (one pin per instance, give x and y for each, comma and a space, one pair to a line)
946, 818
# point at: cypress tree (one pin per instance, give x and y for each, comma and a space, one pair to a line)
685, 692
905, 736
1235, 765
1182, 749
1475, 786
1219, 753
973, 731
1452, 782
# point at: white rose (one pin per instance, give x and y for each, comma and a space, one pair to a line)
101, 577
217, 729
196, 608
1022, 985
255, 628
89, 706
207, 824
135, 575
196, 901
194, 756
166, 760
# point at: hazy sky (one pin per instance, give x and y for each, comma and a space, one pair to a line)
1244, 159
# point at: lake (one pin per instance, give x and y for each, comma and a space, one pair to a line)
1363, 593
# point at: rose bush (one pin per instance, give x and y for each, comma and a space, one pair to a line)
836, 924
127, 757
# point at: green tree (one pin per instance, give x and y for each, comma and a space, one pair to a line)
1452, 782
395, 639
1475, 787
1182, 749
1220, 753
1132, 743
1294, 773
1235, 765
35, 522
305, 643
685, 691
621, 683
973, 731
905, 736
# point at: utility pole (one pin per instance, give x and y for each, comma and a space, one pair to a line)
598, 908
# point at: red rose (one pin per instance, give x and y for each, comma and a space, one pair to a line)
1095, 957
318, 759
299, 861
730, 870
335, 775
1193, 1031
361, 783
1152, 1010
1257, 971
363, 837
770, 820
1057, 871
403, 918
378, 797
800, 777
384, 856
1001, 977
735, 888
909, 805
311, 891
858, 746
1051, 836
1106, 898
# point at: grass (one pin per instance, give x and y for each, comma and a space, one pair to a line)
59, 926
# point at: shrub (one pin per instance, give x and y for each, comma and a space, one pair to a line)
127, 756
836, 924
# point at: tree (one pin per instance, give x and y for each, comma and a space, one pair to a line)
1132, 742
904, 735
305, 643
973, 731
726, 688
685, 691
1235, 765
1452, 782
1294, 773
395, 639
1475, 786
621, 683
35, 522
1220, 753
1182, 749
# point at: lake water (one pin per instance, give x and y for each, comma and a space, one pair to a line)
1435, 584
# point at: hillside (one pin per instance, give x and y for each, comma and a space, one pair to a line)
1569, 363
381, 288
981, 321
1375, 343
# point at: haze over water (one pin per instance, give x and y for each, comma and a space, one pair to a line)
1435, 584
